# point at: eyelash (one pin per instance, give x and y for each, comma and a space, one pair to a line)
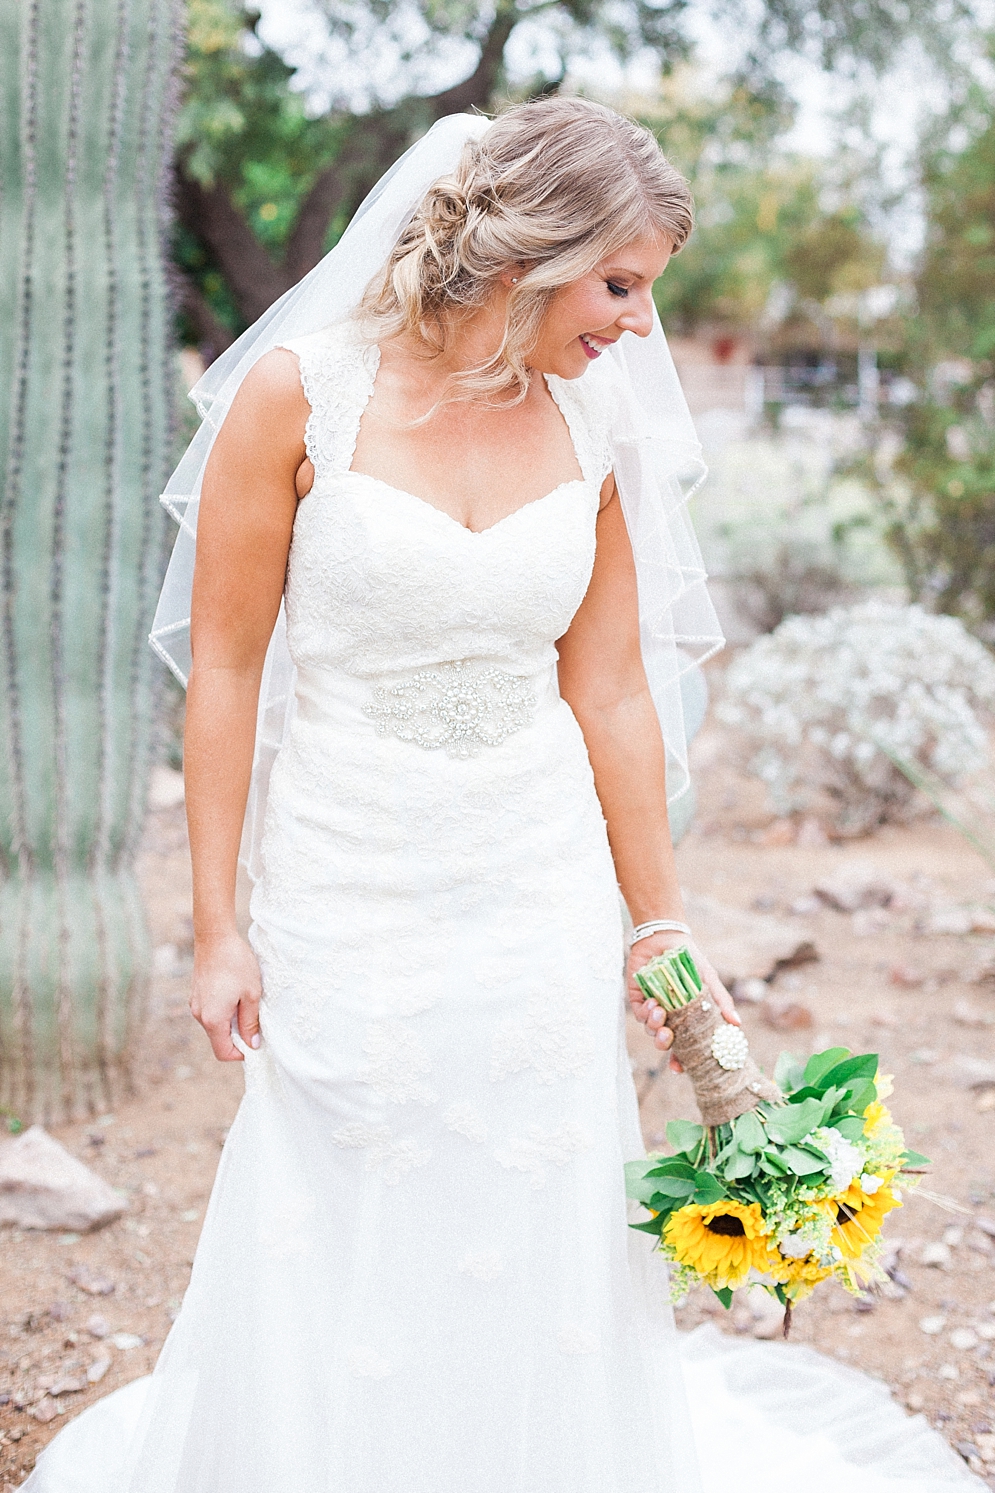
619, 290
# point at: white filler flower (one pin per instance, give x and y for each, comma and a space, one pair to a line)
846, 1160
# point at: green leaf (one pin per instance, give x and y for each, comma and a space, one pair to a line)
790, 1122
672, 1166
771, 1163
788, 1072
750, 1134
709, 1189
724, 1295
641, 1189
673, 1187
650, 1225
861, 1096
865, 1066
915, 1158
851, 1127
740, 1164
685, 1136
802, 1161
821, 1063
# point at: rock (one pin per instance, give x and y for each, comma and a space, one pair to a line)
953, 1235
69, 1384
93, 1285
985, 1223
766, 1313
948, 1371
858, 885
932, 1326
780, 832
787, 1016
867, 921
165, 788
964, 1339
749, 992
938, 1255
965, 1014
983, 920
43, 1187
746, 945
805, 907
97, 1370
97, 1326
949, 920
125, 1341
811, 835
45, 1410
907, 977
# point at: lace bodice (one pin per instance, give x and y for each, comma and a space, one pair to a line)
381, 582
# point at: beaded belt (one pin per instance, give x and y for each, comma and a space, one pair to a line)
456, 707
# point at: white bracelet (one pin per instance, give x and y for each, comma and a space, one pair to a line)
660, 925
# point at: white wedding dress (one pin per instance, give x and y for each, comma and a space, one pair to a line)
415, 1274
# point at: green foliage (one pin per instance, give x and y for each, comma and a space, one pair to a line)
939, 492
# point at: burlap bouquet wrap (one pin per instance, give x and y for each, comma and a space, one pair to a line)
722, 1093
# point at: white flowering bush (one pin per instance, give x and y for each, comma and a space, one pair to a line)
823, 700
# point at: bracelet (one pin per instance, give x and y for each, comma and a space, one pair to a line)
660, 925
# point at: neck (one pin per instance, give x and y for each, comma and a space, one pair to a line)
473, 341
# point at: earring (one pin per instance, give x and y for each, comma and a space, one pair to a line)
514, 279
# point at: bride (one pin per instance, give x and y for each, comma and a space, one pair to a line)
441, 539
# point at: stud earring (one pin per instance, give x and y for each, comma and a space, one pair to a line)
514, 279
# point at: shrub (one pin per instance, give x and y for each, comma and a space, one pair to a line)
829, 705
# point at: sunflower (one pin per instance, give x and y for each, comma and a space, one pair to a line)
877, 1118
798, 1277
722, 1241
859, 1216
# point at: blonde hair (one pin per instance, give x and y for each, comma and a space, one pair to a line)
552, 189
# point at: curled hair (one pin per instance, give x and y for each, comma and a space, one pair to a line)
552, 189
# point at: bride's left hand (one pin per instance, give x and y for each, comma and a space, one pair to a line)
651, 1013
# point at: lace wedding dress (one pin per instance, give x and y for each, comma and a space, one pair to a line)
415, 1274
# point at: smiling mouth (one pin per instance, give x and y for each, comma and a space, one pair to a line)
594, 347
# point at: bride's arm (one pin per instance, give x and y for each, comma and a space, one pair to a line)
602, 679
246, 518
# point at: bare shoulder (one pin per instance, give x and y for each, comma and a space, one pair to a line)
269, 405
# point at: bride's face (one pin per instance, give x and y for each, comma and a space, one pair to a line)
590, 314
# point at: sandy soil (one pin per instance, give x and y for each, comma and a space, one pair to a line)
930, 1333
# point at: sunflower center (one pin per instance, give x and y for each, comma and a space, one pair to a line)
728, 1224
844, 1215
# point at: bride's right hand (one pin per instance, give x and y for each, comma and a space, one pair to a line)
226, 980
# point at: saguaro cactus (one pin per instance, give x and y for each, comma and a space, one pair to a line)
86, 92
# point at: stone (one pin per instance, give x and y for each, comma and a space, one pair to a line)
97, 1370
93, 1285
45, 1410
125, 1341
856, 886
964, 1339
906, 976
805, 907
949, 920
948, 1371
69, 1384
811, 835
953, 1235
787, 1016
932, 1326
966, 1014
42, 1186
97, 1326
749, 992
766, 1314
779, 832
938, 1255
746, 945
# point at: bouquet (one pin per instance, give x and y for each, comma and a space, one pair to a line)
784, 1184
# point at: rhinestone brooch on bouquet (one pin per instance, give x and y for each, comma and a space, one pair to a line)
458, 707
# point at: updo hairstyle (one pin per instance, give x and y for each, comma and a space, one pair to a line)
553, 188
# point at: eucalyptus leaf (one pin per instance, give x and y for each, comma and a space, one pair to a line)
740, 1164
750, 1134
790, 1122
673, 1187
915, 1158
771, 1163
650, 1225
641, 1189
821, 1063
802, 1161
851, 1127
788, 1072
709, 1189
864, 1066
685, 1136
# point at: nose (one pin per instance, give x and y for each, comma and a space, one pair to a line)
638, 314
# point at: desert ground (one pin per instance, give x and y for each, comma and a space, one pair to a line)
903, 967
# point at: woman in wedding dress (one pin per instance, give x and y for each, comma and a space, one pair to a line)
415, 1274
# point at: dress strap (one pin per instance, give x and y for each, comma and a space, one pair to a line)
338, 369
586, 403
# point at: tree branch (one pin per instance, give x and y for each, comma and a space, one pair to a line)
475, 91
254, 280
213, 337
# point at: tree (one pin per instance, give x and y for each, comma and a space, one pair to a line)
238, 89
940, 494
84, 440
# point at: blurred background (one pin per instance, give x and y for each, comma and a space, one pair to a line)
167, 171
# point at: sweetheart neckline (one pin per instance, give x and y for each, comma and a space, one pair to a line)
474, 533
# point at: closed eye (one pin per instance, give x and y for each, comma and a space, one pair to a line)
619, 290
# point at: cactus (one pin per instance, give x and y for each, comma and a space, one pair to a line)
87, 103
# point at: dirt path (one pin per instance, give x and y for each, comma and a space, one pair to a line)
930, 1334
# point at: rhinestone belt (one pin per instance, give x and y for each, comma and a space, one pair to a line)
457, 707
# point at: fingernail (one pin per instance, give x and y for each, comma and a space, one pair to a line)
255, 1041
